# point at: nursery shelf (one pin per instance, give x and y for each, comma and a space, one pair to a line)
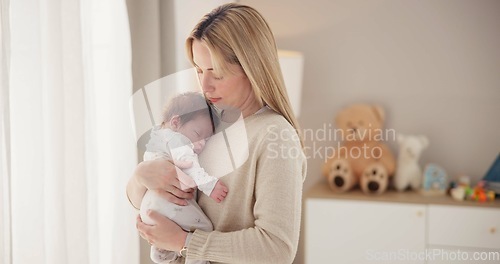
322, 191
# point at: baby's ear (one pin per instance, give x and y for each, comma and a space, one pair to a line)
175, 122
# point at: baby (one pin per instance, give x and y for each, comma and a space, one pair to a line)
187, 124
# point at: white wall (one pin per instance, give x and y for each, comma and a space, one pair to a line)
433, 65
144, 17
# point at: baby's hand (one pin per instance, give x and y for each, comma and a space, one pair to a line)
219, 192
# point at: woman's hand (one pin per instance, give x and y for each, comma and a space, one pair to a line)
164, 234
161, 176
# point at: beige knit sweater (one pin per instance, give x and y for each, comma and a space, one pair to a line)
259, 221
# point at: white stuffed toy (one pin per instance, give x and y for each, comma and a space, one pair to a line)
408, 172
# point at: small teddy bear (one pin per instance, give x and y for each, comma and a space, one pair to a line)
363, 158
408, 172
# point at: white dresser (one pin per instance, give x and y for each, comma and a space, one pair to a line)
398, 228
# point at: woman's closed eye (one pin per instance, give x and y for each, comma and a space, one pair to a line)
217, 76
213, 75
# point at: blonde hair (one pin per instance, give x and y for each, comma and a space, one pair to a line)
238, 34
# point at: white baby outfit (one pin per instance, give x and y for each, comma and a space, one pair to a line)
168, 144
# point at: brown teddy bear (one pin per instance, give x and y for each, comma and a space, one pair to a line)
362, 158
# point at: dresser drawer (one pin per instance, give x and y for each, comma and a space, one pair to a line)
464, 226
357, 232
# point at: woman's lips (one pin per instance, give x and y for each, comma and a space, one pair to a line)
214, 100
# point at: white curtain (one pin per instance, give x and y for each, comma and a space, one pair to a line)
67, 147
5, 248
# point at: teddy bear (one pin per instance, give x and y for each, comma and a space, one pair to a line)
408, 172
361, 156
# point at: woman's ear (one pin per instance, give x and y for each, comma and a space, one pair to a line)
175, 122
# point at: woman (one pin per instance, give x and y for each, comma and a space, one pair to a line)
234, 52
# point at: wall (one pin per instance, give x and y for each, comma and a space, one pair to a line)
433, 65
144, 17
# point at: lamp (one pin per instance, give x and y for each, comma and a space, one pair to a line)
292, 65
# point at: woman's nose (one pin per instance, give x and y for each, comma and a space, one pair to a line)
206, 84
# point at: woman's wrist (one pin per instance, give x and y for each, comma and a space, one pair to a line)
184, 249
182, 240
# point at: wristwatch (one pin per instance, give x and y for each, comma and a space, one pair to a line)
183, 252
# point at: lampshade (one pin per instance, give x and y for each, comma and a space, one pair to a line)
292, 65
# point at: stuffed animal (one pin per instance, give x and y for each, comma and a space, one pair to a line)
362, 158
408, 172
435, 180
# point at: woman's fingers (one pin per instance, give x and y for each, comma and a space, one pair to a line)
164, 233
183, 164
155, 216
143, 236
178, 179
183, 194
163, 176
144, 230
141, 226
185, 181
172, 198
148, 231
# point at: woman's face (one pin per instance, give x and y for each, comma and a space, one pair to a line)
232, 90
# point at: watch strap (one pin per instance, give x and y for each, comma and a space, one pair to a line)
183, 251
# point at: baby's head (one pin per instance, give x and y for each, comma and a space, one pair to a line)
190, 115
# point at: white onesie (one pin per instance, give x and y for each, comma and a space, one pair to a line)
168, 144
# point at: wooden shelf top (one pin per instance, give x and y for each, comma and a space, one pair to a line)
322, 191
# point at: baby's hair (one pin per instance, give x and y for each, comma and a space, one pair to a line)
188, 106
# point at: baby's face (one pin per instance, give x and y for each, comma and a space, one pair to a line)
198, 130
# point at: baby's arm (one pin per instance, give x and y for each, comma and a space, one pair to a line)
205, 182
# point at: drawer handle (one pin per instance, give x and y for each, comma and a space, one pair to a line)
420, 213
493, 230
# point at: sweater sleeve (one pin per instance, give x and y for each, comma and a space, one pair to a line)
280, 171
